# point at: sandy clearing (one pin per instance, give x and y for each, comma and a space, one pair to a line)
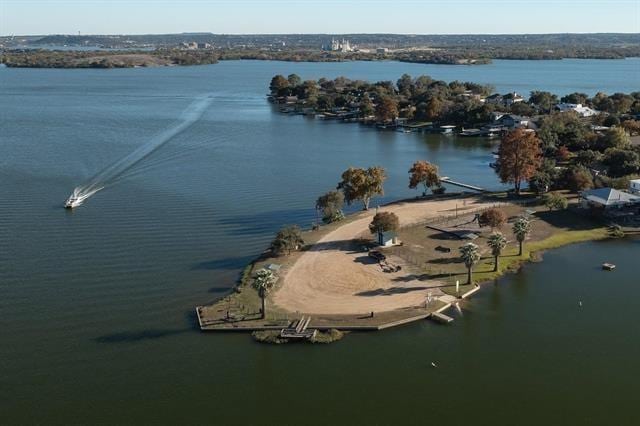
332, 278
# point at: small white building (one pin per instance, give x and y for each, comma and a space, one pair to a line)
634, 186
387, 239
581, 110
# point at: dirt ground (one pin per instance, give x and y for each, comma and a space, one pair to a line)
336, 276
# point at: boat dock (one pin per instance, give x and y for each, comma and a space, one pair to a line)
441, 318
300, 330
462, 185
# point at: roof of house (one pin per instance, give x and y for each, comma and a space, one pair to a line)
609, 196
513, 95
515, 117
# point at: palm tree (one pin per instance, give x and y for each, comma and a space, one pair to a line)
521, 229
496, 242
469, 253
264, 282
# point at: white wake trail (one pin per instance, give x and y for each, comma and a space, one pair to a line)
109, 174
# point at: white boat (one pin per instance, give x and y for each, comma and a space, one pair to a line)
447, 130
73, 201
77, 197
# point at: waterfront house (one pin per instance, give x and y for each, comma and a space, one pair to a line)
511, 98
607, 199
513, 121
581, 110
495, 99
504, 100
634, 186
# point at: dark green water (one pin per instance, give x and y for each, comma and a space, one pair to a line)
96, 306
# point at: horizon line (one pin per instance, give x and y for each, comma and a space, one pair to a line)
316, 33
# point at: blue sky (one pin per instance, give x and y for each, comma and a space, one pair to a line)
315, 16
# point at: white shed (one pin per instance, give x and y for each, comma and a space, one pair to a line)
387, 239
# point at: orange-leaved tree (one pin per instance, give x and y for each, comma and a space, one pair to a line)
520, 157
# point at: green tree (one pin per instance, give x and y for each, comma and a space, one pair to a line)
540, 182
615, 137
405, 85
366, 106
578, 178
330, 204
470, 255
384, 222
575, 98
278, 83
425, 174
294, 80
521, 229
555, 201
362, 184
545, 101
496, 242
287, 239
621, 162
264, 282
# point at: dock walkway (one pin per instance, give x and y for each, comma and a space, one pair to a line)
462, 185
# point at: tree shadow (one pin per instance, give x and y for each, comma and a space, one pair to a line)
567, 219
445, 260
390, 291
365, 260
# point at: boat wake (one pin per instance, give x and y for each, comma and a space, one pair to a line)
111, 173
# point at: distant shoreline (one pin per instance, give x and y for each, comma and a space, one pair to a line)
69, 58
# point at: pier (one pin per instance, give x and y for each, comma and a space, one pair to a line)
461, 185
441, 318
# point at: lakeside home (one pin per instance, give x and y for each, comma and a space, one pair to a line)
608, 198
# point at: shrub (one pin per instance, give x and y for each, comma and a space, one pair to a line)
493, 217
555, 201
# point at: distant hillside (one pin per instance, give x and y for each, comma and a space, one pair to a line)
314, 41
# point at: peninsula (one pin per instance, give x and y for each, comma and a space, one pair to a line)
411, 259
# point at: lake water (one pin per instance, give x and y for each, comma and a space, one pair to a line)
96, 305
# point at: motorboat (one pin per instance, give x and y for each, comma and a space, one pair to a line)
73, 201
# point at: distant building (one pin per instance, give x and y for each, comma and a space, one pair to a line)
381, 50
581, 110
189, 46
511, 98
204, 46
608, 198
341, 46
513, 121
634, 186
504, 100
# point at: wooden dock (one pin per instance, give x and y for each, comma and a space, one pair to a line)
300, 331
462, 185
441, 318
